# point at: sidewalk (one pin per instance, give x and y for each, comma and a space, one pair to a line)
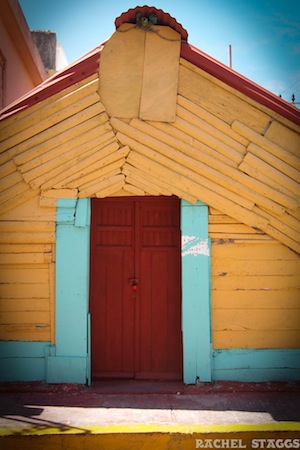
154, 415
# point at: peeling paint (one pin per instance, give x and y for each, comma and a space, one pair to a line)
194, 245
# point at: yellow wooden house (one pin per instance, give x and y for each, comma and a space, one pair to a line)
149, 215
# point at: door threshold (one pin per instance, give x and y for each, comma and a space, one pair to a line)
137, 387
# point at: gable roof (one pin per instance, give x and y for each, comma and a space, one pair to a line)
88, 64
235, 150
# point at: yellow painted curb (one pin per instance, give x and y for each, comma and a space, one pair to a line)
149, 437
154, 428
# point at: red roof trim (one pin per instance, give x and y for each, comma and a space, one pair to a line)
77, 71
162, 17
239, 82
89, 65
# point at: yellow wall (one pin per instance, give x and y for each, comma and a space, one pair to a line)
223, 149
255, 288
27, 259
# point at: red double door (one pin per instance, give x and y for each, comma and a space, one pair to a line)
135, 286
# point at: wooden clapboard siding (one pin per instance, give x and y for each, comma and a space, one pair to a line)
45, 109
217, 98
27, 260
256, 111
24, 304
255, 288
268, 172
58, 148
41, 144
158, 143
11, 200
263, 142
86, 166
283, 136
209, 121
222, 149
257, 338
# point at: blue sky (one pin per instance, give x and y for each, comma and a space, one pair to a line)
264, 34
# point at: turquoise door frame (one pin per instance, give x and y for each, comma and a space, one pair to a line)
196, 309
70, 357
68, 361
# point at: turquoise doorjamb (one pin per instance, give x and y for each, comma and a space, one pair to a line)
68, 362
70, 359
196, 316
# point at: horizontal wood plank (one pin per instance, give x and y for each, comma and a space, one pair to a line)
33, 290
253, 282
27, 238
21, 275
256, 339
256, 300
25, 248
222, 266
26, 226
253, 251
24, 304
21, 258
248, 319
40, 318
30, 332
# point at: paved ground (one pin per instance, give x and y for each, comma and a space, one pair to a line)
146, 407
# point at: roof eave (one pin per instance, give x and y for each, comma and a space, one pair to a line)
80, 69
239, 82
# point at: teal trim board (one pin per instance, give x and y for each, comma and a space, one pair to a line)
23, 360
196, 315
256, 365
68, 361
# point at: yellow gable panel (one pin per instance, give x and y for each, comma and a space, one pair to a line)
160, 77
121, 68
138, 74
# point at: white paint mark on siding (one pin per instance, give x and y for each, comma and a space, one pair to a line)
193, 245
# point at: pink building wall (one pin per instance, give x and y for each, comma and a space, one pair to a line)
23, 65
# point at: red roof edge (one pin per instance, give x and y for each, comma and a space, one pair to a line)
88, 65
80, 69
239, 82
162, 18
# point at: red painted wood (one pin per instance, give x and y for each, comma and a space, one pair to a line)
136, 334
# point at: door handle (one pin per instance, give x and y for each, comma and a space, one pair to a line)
134, 283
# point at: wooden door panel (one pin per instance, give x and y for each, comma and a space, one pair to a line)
136, 334
112, 316
160, 319
112, 308
160, 290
